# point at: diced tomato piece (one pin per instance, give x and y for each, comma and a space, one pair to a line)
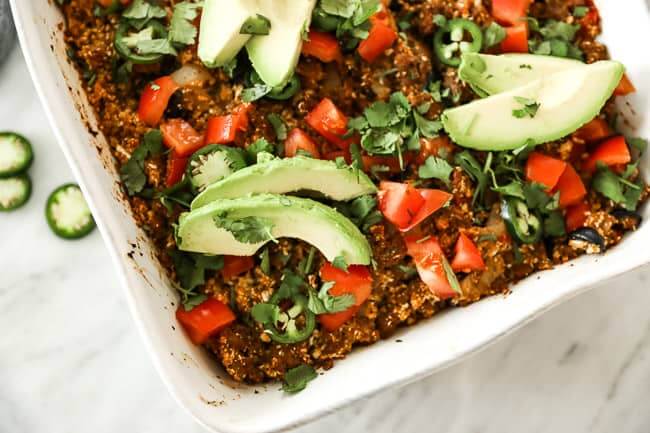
205, 320
516, 40
610, 152
175, 169
510, 12
380, 38
576, 216
625, 87
467, 257
571, 187
298, 139
330, 122
324, 46
357, 281
595, 130
434, 199
236, 265
154, 100
429, 261
399, 202
224, 129
179, 135
543, 169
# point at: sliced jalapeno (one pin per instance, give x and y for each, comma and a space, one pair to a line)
125, 44
523, 225
450, 41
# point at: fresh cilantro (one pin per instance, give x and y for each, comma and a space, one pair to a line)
404, 22
408, 271
307, 263
265, 264
324, 303
617, 188
525, 66
339, 262
348, 18
362, 211
256, 25
437, 92
493, 35
436, 168
249, 230
554, 224
554, 38
265, 313
512, 189
580, 11
190, 270
141, 12
296, 379
529, 108
256, 92
474, 170
640, 144
132, 173
256, 147
278, 125
156, 46
194, 301
181, 27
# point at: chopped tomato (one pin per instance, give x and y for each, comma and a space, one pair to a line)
179, 135
576, 216
625, 87
154, 100
516, 40
429, 261
571, 187
510, 12
324, 46
610, 152
399, 202
595, 130
223, 129
467, 256
175, 169
236, 265
298, 139
330, 122
543, 169
380, 38
434, 199
357, 281
205, 320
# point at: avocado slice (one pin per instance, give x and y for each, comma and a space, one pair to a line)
280, 176
491, 74
275, 56
567, 100
321, 226
221, 22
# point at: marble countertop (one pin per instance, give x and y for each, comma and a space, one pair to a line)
71, 361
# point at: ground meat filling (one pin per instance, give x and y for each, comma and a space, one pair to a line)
399, 298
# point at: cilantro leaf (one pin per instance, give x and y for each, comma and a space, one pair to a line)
296, 379
132, 173
278, 125
474, 170
580, 11
339, 262
256, 92
190, 270
265, 314
436, 168
181, 28
529, 108
256, 147
493, 35
616, 188
141, 12
250, 229
156, 46
324, 303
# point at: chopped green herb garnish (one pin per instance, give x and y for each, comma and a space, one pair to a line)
324, 303
278, 125
296, 379
249, 230
529, 108
339, 262
181, 27
436, 168
132, 173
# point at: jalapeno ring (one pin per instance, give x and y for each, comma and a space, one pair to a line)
456, 29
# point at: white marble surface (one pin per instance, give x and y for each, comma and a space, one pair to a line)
70, 359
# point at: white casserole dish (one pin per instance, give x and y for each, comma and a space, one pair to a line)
191, 375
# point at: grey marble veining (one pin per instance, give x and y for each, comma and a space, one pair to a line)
71, 361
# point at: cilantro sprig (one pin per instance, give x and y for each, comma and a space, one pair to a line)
132, 173
349, 19
248, 230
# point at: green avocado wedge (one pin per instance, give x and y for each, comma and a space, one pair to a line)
241, 226
544, 110
280, 176
491, 74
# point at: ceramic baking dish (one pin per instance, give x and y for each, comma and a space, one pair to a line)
191, 375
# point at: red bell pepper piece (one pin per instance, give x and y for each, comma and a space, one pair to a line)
625, 87
516, 40
330, 122
179, 135
572, 189
381, 37
154, 100
595, 130
298, 139
205, 320
510, 12
610, 152
429, 261
324, 46
224, 129
236, 265
357, 281
176, 166
543, 169
467, 256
